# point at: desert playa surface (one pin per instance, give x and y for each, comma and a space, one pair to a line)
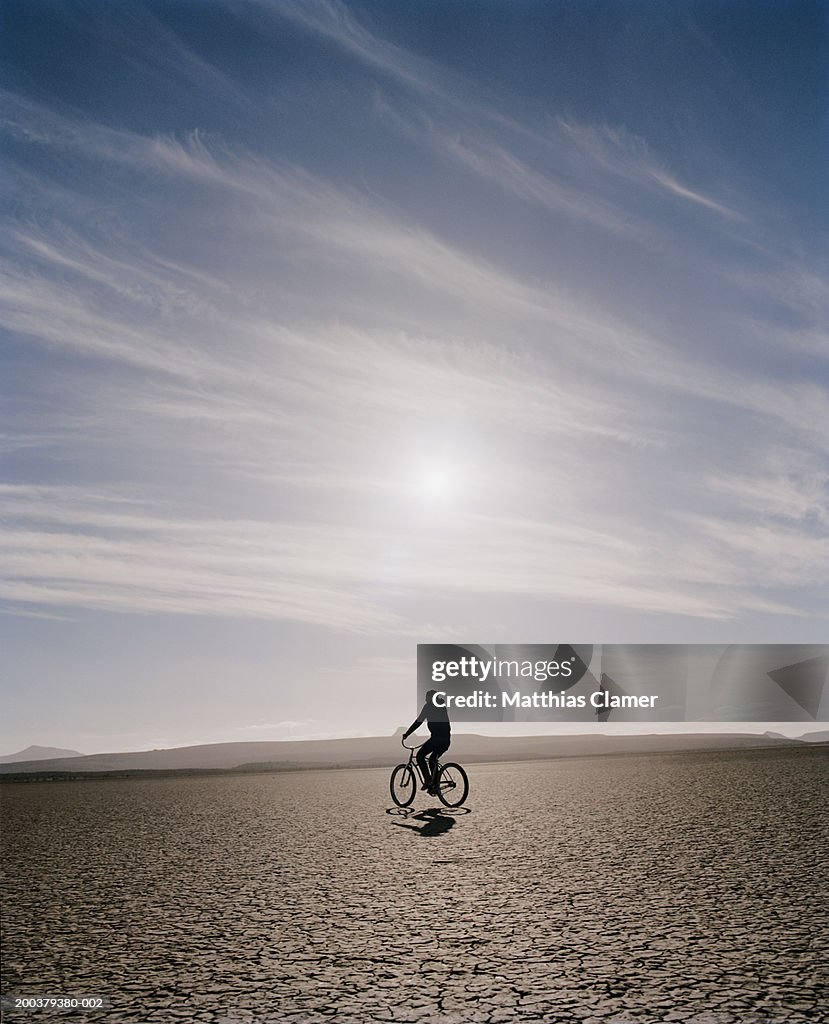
639, 889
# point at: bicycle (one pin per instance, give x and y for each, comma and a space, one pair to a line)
452, 788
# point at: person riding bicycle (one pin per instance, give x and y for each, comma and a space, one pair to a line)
438, 743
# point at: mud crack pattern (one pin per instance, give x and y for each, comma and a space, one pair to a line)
686, 889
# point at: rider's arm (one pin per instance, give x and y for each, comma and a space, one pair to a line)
418, 721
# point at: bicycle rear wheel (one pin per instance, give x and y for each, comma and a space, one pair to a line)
453, 784
403, 785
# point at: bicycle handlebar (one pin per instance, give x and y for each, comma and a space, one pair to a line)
405, 744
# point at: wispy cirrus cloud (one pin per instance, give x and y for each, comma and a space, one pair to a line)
626, 155
353, 344
334, 222
788, 485
616, 150
71, 548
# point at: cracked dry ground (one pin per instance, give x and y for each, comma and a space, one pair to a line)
684, 888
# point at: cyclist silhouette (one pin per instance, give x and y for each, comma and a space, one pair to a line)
438, 743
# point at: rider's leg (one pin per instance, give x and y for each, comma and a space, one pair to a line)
433, 770
422, 756
440, 746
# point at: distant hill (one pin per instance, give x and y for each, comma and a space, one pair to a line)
816, 737
38, 754
377, 751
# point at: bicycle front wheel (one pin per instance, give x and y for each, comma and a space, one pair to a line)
453, 785
403, 785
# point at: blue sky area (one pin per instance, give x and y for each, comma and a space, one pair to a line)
328, 328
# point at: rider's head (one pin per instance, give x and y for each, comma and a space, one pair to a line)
429, 695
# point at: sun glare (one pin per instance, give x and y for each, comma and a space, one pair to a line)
434, 482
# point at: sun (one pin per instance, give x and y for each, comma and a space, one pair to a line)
436, 483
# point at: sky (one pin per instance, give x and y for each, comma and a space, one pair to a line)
331, 328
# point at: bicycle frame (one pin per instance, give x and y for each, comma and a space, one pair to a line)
414, 764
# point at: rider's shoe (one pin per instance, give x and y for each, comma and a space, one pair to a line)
426, 786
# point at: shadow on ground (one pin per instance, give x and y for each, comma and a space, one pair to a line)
437, 820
